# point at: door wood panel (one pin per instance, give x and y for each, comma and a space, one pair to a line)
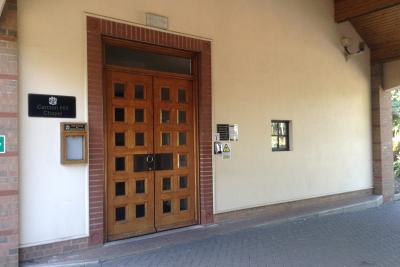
138, 201
134, 223
180, 213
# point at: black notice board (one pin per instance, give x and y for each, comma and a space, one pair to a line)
51, 106
223, 130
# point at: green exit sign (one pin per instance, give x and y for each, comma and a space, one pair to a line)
2, 144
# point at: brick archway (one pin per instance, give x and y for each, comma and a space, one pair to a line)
96, 29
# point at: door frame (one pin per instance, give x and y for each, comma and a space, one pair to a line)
153, 74
99, 29
138, 71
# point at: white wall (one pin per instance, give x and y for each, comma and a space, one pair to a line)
54, 202
271, 59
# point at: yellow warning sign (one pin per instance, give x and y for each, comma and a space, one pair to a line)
226, 148
226, 152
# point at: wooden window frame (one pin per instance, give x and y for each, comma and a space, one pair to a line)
287, 136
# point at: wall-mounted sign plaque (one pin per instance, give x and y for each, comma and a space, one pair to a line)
2, 144
157, 21
51, 106
234, 132
74, 127
223, 130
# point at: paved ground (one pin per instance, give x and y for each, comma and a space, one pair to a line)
365, 238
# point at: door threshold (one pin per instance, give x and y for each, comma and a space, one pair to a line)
154, 235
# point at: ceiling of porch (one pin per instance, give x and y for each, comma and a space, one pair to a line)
377, 22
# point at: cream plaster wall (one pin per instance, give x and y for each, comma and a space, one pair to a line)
271, 59
392, 74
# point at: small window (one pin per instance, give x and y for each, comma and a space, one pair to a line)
165, 139
120, 164
183, 161
181, 116
181, 96
140, 187
182, 182
139, 91
120, 214
183, 204
120, 188
166, 184
165, 93
119, 89
140, 211
139, 115
280, 136
139, 139
132, 58
167, 206
165, 116
182, 138
120, 139
119, 114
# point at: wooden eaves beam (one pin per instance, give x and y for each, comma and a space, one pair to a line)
348, 9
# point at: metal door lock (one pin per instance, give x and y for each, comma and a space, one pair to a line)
150, 162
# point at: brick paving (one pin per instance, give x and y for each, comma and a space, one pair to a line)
365, 238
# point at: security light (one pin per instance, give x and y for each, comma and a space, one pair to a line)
347, 44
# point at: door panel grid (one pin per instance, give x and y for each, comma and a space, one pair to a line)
168, 208
150, 125
131, 210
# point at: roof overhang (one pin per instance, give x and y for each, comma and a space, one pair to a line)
377, 22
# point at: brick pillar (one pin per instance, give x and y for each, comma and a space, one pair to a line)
381, 105
9, 238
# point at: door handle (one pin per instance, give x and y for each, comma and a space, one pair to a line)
150, 162
149, 158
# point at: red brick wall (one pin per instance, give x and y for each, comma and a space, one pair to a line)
96, 28
96, 138
51, 249
381, 105
9, 241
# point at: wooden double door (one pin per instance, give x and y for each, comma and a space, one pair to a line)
151, 183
